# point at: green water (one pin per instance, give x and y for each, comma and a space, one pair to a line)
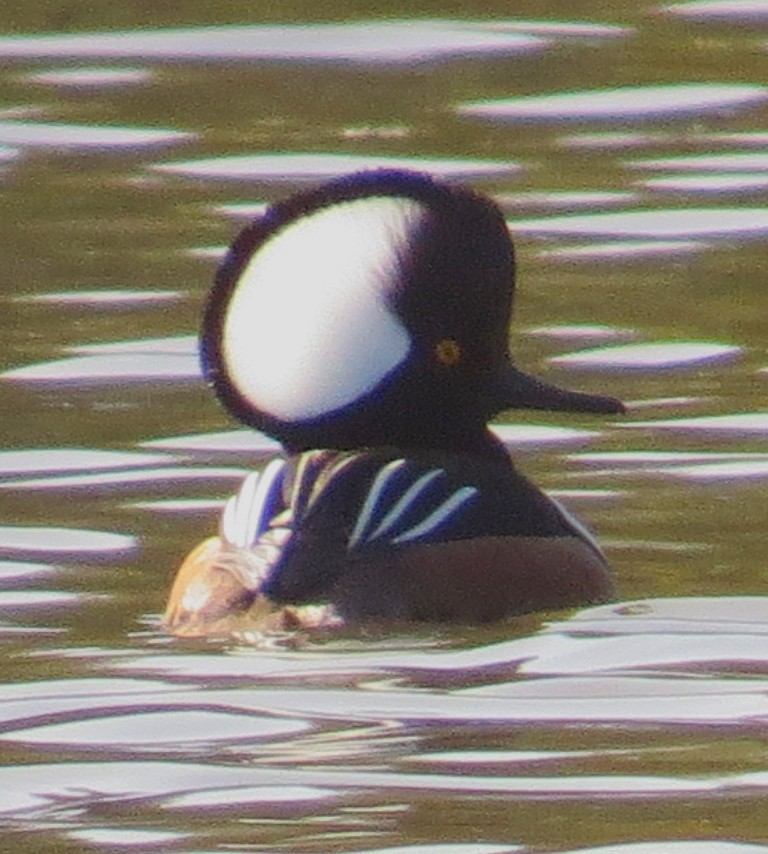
76, 221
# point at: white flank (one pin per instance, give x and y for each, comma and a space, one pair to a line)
308, 329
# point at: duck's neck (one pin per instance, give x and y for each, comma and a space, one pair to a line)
476, 442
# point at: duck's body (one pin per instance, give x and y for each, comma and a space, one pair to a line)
394, 501
374, 534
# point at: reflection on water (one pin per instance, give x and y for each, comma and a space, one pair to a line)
622, 250
126, 839
14, 601
700, 846
23, 539
60, 460
14, 570
143, 729
144, 360
750, 423
649, 356
317, 167
243, 210
85, 137
720, 10
740, 162
732, 183
352, 712
633, 728
110, 369
723, 471
626, 103
370, 41
104, 298
228, 441
583, 332
664, 222
91, 78
8, 154
561, 199
121, 480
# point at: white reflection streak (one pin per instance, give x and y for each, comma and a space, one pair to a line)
373, 41
54, 135
683, 223
662, 354
628, 102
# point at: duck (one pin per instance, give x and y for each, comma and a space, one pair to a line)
364, 324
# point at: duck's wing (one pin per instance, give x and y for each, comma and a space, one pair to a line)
249, 512
430, 537
360, 506
377, 534
406, 502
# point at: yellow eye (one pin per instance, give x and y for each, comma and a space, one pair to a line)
448, 351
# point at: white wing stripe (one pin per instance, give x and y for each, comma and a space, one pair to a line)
374, 493
438, 516
248, 510
247, 514
234, 525
401, 507
261, 509
228, 522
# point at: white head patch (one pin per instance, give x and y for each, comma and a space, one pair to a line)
308, 330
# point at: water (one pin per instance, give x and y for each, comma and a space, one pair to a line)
628, 150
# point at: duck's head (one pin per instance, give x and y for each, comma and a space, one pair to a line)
373, 310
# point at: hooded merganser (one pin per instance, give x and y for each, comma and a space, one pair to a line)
364, 325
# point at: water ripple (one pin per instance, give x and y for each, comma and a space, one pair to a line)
59, 460
651, 355
735, 424
720, 10
728, 162
40, 786
674, 846
623, 250
140, 479
662, 223
142, 729
22, 540
103, 298
310, 166
243, 441
85, 137
91, 77
626, 103
109, 369
706, 183
366, 41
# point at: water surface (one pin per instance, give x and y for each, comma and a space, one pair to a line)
627, 146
